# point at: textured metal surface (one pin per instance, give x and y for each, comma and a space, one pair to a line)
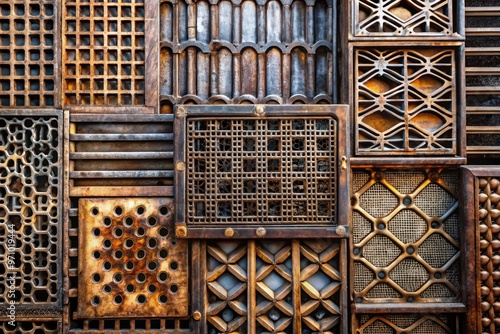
131, 264
31, 210
26, 327
406, 236
489, 226
411, 324
405, 101
278, 290
261, 171
29, 60
104, 53
482, 54
246, 52
402, 18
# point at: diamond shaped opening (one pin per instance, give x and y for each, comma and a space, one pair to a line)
319, 280
430, 122
381, 251
427, 83
274, 281
405, 182
379, 327
407, 226
434, 200
438, 291
436, 250
378, 201
383, 290
409, 275
429, 326
227, 281
361, 227
382, 120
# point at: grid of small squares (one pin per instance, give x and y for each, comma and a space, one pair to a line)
273, 170
103, 52
28, 30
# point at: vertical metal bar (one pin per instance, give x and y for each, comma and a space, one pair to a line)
297, 317
251, 297
152, 57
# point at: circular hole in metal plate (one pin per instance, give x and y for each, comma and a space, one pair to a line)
118, 254
107, 289
162, 276
106, 266
140, 210
152, 265
96, 300
141, 299
140, 232
174, 265
96, 232
152, 288
163, 232
162, 254
107, 221
94, 211
118, 277
164, 210
118, 211
152, 221
96, 278
129, 221
129, 243
118, 232
96, 255
174, 288
173, 242
152, 243
140, 254
129, 265
140, 278
106, 243
130, 288
118, 299
162, 299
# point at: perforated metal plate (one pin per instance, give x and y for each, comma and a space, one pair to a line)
406, 236
130, 263
281, 168
30, 210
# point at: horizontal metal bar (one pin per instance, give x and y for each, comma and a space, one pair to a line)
110, 110
482, 90
122, 191
482, 70
398, 162
121, 174
483, 149
408, 308
482, 31
476, 130
482, 51
92, 118
120, 155
482, 110
122, 137
73, 212
482, 11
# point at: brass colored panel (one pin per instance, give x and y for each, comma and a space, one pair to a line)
406, 236
405, 102
130, 263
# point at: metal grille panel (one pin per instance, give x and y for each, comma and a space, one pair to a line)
30, 210
131, 266
247, 171
402, 18
405, 101
406, 254
27, 327
104, 53
411, 324
28, 53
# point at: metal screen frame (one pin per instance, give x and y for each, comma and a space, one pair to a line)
229, 230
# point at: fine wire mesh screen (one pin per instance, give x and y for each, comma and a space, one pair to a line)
407, 323
272, 170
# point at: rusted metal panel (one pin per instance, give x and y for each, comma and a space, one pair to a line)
31, 212
260, 166
286, 286
29, 54
130, 263
247, 52
406, 236
28, 327
104, 54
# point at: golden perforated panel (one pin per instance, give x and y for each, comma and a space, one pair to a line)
131, 264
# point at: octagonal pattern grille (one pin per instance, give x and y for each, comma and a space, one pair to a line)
409, 253
267, 171
130, 266
30, 210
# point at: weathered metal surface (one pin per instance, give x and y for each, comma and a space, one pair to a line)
406, 242
247, 52
31, 211
27, 327
402, 18
121, 151
405, 102
407, 323
131, 264
104, 53
276, 286
29, 54
278, 167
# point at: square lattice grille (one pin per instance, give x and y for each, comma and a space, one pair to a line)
30, 210
279, 169
103, 53
28, 53
405, 102
406, 236
131, 265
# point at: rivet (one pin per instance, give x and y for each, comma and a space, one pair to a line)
197, 315
181, 231
261, 232
229, 232
181, 112
340, 230
259, 110
180, 166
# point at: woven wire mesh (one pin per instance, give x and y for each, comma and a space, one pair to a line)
364, 276
405, 182
378, 201
383, 290
434, 200
381, 251
359, 179
429, 324
451, 226
267, 170
408, 226
362, 227
436, 250
409, 275
437, 290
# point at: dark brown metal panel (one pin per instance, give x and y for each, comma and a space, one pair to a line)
29, 54
250, 169
31, 212
406, 242
28, 327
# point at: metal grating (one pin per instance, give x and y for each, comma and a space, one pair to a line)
29, 33
275, 271
104, 52
402, 18
31, 211
247, 52
489, 225
130, 265
27, 327
406, 254
242, 167
405, 101
411, 324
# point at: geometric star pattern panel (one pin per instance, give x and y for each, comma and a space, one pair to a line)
403, 18
283, 277
406, 245
405, 101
